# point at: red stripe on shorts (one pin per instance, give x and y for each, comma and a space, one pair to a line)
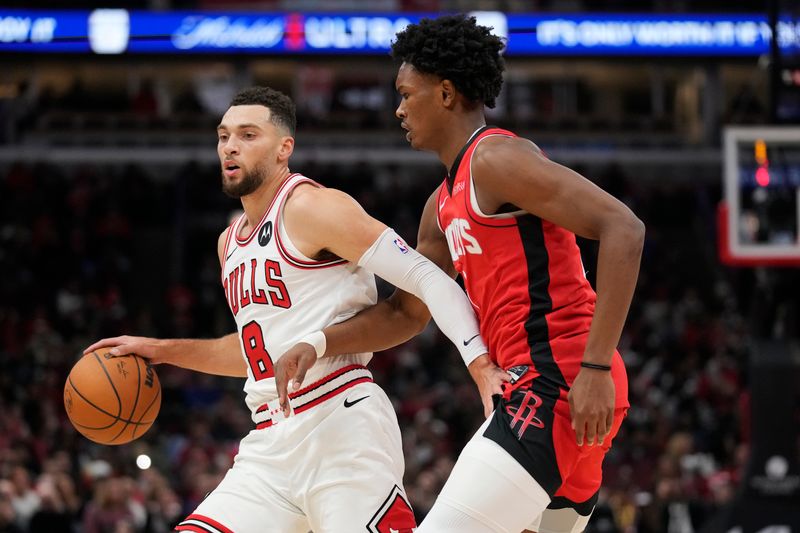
200, 518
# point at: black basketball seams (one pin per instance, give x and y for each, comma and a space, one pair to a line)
130, 425
110, 381
87, 400
136, 360
116, 418
147, 409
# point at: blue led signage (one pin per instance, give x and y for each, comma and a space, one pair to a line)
114, 31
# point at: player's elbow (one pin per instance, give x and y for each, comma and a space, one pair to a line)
633, 231
414, 319
624, 232
419, 322
410, 314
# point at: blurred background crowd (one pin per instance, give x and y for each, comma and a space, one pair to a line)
115, 242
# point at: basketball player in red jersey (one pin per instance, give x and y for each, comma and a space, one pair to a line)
507, 216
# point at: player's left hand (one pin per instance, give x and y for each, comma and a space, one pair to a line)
490, 378
293, 366
591, 403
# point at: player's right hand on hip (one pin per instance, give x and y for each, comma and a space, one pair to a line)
591, 404
489, 378
126, 344
290, 370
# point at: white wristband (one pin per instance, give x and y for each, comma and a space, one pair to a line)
318, 341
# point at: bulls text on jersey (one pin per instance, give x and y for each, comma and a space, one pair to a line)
256, 283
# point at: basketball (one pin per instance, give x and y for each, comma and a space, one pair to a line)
112, 400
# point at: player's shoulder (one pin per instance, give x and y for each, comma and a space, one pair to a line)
233, 219
500, 150
497, 145
223, 236
308, 194
222, 240
312, 201
226, 234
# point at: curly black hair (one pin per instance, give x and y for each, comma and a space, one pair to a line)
282, 108
455, 48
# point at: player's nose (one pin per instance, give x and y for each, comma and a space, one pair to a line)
231, 147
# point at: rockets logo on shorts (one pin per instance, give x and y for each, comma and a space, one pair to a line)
403, 247
524, 416
394, 516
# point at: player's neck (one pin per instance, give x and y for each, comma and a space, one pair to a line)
458, 135
257, 203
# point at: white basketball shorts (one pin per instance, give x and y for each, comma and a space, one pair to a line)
336, 467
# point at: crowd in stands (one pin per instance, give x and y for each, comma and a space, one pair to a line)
89, 251
154, 110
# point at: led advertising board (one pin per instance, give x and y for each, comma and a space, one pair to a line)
114, 31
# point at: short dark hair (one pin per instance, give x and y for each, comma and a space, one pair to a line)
455, 48
281, 107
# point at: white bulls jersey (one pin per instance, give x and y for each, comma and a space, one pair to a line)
277, 296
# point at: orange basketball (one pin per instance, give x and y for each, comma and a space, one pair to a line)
112, 400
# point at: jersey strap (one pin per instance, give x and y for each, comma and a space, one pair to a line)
288, 256
228, 233
243, 241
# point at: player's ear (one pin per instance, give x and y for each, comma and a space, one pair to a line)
286, 149
448, 91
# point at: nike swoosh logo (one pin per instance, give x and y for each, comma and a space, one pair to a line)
348, 403
466, 343
230, 254
441, 205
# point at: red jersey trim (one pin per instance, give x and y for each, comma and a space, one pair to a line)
285, 254
469, 187
440, 202
246, 240
224, 258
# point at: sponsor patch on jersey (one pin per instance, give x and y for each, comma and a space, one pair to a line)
265, 233
403, 247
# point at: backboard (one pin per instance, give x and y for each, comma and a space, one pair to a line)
759, 218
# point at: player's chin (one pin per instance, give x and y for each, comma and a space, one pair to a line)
230, 181
414, 141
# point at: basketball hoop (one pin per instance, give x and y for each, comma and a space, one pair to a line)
758, 221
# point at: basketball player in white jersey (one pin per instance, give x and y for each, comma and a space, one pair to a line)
302, 257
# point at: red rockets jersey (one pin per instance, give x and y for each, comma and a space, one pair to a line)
525, 279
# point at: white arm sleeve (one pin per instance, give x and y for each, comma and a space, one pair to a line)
393, 260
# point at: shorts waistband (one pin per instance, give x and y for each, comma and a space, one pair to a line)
321, 390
